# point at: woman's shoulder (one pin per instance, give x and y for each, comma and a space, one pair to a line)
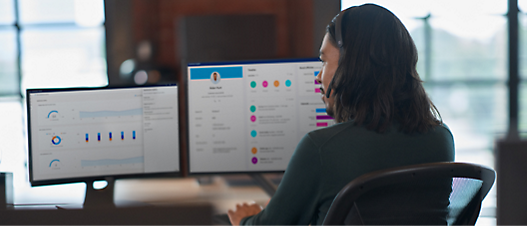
350, 131
323, 135
444, 130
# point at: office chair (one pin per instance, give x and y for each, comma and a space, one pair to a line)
433, 193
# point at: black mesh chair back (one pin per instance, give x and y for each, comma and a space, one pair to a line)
444, 193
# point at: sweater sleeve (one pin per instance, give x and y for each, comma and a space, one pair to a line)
296, 199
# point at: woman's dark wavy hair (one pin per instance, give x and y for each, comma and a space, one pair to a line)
376, 82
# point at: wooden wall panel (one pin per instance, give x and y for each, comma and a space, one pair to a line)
158, 21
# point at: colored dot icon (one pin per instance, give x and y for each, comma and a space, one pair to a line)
254, 150
276, 83
253, 118
253, 84
265, 84
254, 133
254, 160
252, 108
288, 83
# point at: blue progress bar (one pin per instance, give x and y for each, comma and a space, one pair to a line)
321, 110
316, 73
107, 162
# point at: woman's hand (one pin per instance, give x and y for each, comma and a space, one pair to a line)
243, 211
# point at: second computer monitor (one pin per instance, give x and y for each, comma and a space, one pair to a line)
250, 116
92, 133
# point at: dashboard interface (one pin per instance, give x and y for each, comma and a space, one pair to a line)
249, 116
102, 132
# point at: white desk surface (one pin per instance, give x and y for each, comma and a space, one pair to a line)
157, 192
187, 190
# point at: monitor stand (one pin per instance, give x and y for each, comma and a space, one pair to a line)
97, 198
267, 185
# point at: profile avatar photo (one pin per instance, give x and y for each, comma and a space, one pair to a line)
215, 77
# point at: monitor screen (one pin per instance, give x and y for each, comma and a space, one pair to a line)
250, 116
75, 134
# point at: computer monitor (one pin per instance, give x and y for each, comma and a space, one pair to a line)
88, 134
248, 117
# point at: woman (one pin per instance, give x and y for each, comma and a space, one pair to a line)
385, 119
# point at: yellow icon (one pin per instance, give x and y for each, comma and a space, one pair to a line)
254, 150
276, 83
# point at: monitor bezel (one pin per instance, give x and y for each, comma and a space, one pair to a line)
174, 174
221, 63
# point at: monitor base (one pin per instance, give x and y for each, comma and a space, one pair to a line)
97, 198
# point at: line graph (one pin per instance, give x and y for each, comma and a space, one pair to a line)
98, 114
107, 162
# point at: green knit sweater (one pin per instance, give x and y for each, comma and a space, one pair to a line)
327, 159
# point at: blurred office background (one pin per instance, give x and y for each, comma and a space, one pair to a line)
463, 54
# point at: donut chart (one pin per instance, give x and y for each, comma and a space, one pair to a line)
56, 140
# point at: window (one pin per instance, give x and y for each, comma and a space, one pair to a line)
8, 45
463, 62
51, 43
522, 20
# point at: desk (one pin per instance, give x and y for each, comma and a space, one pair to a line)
187, 191
168, 201
156, 192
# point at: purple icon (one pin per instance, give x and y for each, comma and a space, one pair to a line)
254, 160
265, 84
253, 118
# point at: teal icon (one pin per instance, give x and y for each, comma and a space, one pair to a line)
253, 84
253, 133
253, 108
288, 83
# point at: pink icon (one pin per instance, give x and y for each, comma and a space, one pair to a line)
253, 118
265, 84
